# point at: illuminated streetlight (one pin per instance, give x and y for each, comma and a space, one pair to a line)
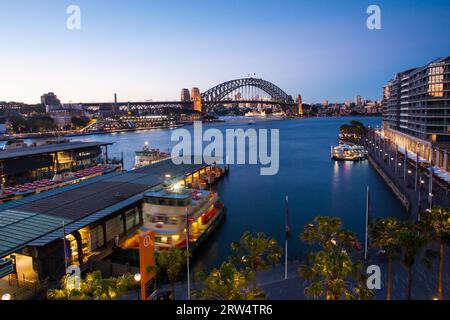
176, 187
137, 277
409, 178
6, 296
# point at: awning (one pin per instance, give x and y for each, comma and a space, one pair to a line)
412, 155
444, 175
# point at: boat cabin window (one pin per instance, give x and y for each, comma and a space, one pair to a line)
168, 202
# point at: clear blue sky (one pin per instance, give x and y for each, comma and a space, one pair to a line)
151, 49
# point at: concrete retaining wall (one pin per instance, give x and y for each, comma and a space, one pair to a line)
403, 199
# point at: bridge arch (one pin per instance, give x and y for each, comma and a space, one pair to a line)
218, 93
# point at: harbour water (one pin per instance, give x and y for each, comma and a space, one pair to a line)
315, 184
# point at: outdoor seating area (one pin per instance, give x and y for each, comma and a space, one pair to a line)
93, 171
48, 184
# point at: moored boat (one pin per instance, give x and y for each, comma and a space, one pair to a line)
168, 211
148, 156
347, 152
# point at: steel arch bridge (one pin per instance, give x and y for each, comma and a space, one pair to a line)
219, 93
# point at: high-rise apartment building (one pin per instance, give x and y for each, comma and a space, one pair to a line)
416, 111
358, 101
50, 101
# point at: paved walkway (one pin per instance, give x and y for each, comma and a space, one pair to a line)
404, 180
272, 282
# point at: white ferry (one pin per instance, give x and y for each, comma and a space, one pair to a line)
148, 156
256, 114
348, 152
170, 211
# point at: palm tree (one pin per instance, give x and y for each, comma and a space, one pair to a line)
328, 233
224, 283
330, 272
171, 262
411, 243
331, 268
436, 225
93, 287
256, 253
384, 235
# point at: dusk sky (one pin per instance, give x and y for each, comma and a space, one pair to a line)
151, 49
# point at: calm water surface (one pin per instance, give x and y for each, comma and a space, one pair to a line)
315, 184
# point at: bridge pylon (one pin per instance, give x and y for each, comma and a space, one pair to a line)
197, 99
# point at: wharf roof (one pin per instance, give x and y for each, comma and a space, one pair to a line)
39, 219
48, 148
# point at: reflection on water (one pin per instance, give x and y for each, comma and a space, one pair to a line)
316, 185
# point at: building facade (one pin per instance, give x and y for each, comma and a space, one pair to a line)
358, 101
50, 101
416, 111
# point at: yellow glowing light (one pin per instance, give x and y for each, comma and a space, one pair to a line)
6, 296
176, 186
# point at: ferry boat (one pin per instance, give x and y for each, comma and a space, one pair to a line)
348, 152
278, 114
167, 211
14, 144
148, 156
256, 114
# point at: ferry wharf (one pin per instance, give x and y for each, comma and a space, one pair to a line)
88, 216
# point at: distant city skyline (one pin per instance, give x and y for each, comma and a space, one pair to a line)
145, 50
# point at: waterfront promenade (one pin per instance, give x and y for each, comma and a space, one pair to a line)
274, 285
402, 178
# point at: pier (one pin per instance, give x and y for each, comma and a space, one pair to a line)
90, 215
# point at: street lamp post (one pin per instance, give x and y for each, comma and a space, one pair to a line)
420, 197
409, 178
137, 280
